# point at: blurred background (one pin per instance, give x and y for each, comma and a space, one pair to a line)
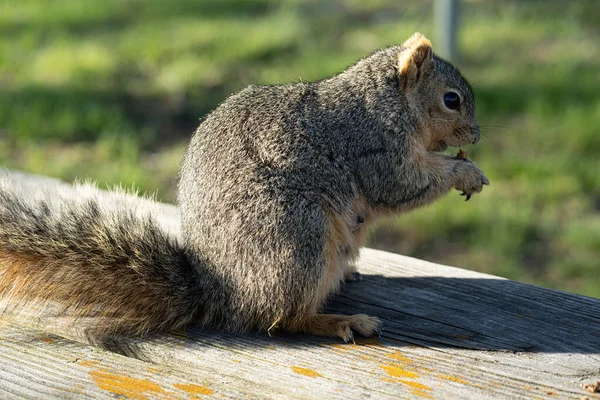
113, 89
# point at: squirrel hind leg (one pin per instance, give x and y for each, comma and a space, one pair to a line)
343, 326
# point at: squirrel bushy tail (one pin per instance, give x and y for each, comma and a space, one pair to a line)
76, 256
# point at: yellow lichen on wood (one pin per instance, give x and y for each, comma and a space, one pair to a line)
88, 363
194, 389
306, 372
453, 379
397, 355
398, 372
127, 386
340, 346
418, 389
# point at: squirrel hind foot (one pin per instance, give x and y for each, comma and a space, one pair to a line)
342, 326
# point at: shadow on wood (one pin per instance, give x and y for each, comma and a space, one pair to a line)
476, 313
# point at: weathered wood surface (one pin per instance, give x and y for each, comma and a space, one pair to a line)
449, 333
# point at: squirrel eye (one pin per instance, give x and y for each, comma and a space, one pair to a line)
452, 100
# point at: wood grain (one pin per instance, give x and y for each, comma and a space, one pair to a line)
449, 333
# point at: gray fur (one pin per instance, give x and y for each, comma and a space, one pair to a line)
263, 178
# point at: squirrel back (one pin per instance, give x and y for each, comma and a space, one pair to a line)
277, 188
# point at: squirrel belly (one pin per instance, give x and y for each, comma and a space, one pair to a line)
277, 189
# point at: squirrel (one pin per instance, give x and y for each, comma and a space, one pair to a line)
277, 188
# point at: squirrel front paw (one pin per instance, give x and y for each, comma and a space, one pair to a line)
469, 178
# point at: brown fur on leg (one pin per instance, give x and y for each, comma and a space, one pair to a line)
345, 235
343, 326
341, 246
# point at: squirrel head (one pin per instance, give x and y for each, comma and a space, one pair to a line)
436, 91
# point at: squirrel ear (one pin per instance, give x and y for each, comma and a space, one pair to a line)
415, 40
415, 58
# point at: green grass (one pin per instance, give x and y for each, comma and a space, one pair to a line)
112, 90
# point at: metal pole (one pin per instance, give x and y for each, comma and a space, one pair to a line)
446, 23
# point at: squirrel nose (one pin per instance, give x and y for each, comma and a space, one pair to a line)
475, 131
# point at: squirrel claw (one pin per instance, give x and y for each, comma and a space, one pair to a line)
468, 197
349, 338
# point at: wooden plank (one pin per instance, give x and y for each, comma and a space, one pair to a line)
421, 354
449, 333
